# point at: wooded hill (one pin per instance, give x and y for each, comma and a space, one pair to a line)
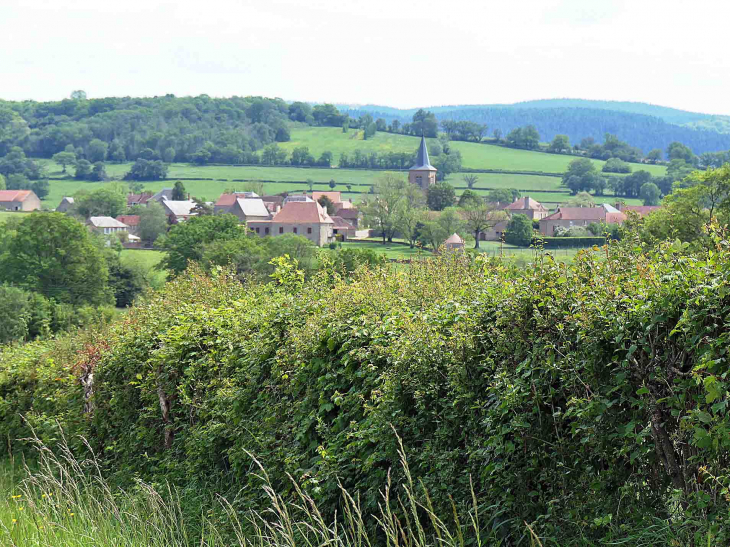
642, 125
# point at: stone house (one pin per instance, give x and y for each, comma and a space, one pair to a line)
107, 225
304, 218
132, 222
248, 209
534, 210
567, 217
178, 211
65, 205
19, 200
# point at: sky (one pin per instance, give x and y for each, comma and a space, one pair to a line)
399, 53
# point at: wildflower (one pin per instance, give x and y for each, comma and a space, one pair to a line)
17, 497
14, 521
21, 508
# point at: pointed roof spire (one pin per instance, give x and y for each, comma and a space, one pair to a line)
422, 161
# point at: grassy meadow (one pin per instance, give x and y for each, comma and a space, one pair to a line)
545, 189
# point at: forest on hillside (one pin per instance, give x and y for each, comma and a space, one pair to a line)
643, 131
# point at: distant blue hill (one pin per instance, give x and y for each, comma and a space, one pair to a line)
642, 125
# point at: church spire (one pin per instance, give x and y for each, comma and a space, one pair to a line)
422, 157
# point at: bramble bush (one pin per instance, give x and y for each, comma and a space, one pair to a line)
589, 400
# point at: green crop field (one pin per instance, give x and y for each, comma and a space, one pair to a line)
5, 215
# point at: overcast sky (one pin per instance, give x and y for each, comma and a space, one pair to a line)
400, 53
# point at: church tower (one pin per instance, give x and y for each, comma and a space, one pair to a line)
422, 174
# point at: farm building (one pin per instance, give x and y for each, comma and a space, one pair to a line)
19, 200
567, 217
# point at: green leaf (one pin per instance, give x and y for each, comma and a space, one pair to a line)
642, 391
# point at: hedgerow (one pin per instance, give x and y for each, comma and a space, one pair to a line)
588, 400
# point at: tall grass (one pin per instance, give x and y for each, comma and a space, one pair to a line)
62, 500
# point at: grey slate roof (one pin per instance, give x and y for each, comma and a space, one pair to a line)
422, 161
253, 207
106, 222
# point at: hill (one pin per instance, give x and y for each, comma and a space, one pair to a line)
642, 125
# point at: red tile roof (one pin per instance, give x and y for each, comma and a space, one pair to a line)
586, 213
348, 213
14, 195
227, 200
642, 210
335, 197
340, 223
302, 212
521, 204
129, 220
138, 199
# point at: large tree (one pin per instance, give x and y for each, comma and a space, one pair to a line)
55, 255
481, 217
186, 241
152, 222
519, 231
440, 196
109, 200
381, 210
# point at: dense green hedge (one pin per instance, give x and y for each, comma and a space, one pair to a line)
589, 400
570, 242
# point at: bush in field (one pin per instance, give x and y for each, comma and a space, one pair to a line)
589, 400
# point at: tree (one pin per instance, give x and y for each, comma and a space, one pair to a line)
497, 133
83, 170
78, 95
109, 200
480, 217
55, 255
447, 163
519, 231
327, 203
524, 137
349, 187
470, 180
2, 183
440, 196
381, 211
413, 203
178, 191
503, 196
64, 158
299, 111
424, 123
650, 193
116, 152
580, 175
96, 150
147, 170
332, 184
168, 155
469, 197
654, 155
582, 199
152, 222
13, 129
678, 151
559, 144
98, 173
310, 185
615, 165
325, 159
186, 241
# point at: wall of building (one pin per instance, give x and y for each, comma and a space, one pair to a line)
319, 234
428, 178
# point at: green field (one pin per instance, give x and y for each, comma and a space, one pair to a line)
545, 189
475, 156
5, 215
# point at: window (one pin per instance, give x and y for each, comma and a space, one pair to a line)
281, 229
309, 230
295, 229
266, 231
419, 180
257, 230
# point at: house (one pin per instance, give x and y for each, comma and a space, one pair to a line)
454, 243
248, 209
273, 203
178, 211
567, 217
19, 200
106, 225
534, 210
297, 198
138, 199
305, 218
226, 201
496, 232
132, 222
162, 195
422, 174
341, 229
65, 205
351, 215
641, 210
